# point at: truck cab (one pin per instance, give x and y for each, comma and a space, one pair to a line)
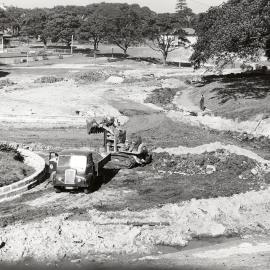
76, 169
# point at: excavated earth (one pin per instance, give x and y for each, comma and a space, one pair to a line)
136, 215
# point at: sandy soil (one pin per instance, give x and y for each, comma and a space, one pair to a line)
128, 217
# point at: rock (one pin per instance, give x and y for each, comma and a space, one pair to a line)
76, 261
210, 169
115, 79
193, 114
254, 171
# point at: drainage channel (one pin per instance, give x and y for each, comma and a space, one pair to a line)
195, 243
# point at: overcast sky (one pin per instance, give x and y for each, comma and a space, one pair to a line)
156, 5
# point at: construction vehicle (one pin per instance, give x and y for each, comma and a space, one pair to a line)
76, 169
115, 142
114, 137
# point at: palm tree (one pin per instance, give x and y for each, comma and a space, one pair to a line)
181, 5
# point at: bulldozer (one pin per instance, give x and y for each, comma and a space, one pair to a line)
115, 142
73, 169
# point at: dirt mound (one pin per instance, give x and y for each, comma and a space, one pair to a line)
162, 96
188, 164
6, 82
48, 79
91, 76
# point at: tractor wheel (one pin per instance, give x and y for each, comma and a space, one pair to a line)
86, 190
131, 163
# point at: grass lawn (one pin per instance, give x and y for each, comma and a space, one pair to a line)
241, 96
12, 170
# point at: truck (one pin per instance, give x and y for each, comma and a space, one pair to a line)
76, 169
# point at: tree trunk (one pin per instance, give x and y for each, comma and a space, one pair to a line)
45, 44
95, 48
164, 60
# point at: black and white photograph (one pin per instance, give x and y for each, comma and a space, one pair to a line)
135, 134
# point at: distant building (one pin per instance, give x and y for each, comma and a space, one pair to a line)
4, 41
3, 6
191, 35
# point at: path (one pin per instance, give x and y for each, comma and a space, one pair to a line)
251, 253
184, 102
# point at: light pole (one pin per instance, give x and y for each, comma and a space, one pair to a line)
71, 49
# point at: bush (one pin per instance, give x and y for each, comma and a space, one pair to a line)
91, 76
7, 148
6, 82
162, 96
49, 79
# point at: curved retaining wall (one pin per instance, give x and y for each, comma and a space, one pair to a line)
33, 160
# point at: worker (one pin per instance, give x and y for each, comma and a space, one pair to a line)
135, 143
202, 107
142, 156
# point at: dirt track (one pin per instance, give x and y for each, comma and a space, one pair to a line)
145, 205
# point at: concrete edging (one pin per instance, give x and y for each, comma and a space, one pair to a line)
17, 188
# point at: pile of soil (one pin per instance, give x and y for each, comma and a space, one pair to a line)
91, 76
162, 96
189, 164
48, 79
256, 142
6, 82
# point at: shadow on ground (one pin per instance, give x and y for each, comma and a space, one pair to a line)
3, 73
30, 264
240, 86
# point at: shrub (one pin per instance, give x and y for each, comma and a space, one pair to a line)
162, 96
49, 79
6, 82
91, 76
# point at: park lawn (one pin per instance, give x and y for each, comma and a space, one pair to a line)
242, 96
11, 170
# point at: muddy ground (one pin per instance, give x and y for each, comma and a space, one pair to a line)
156, 209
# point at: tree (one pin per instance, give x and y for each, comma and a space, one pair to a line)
62, 26
94, 27
163, 32
16, 16
237, 29
181, 5
34, 24
5, 20
125, 23
185, 14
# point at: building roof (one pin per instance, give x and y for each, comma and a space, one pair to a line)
5, 35
189, 31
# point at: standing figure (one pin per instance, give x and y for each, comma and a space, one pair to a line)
202, 107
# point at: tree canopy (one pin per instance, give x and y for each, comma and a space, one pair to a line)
62, 26
238, 28
34, 24
163, 32
181, 5
94, 27
125, 23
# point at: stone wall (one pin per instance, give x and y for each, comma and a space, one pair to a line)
15, 189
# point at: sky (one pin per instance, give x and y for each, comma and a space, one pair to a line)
159, 6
